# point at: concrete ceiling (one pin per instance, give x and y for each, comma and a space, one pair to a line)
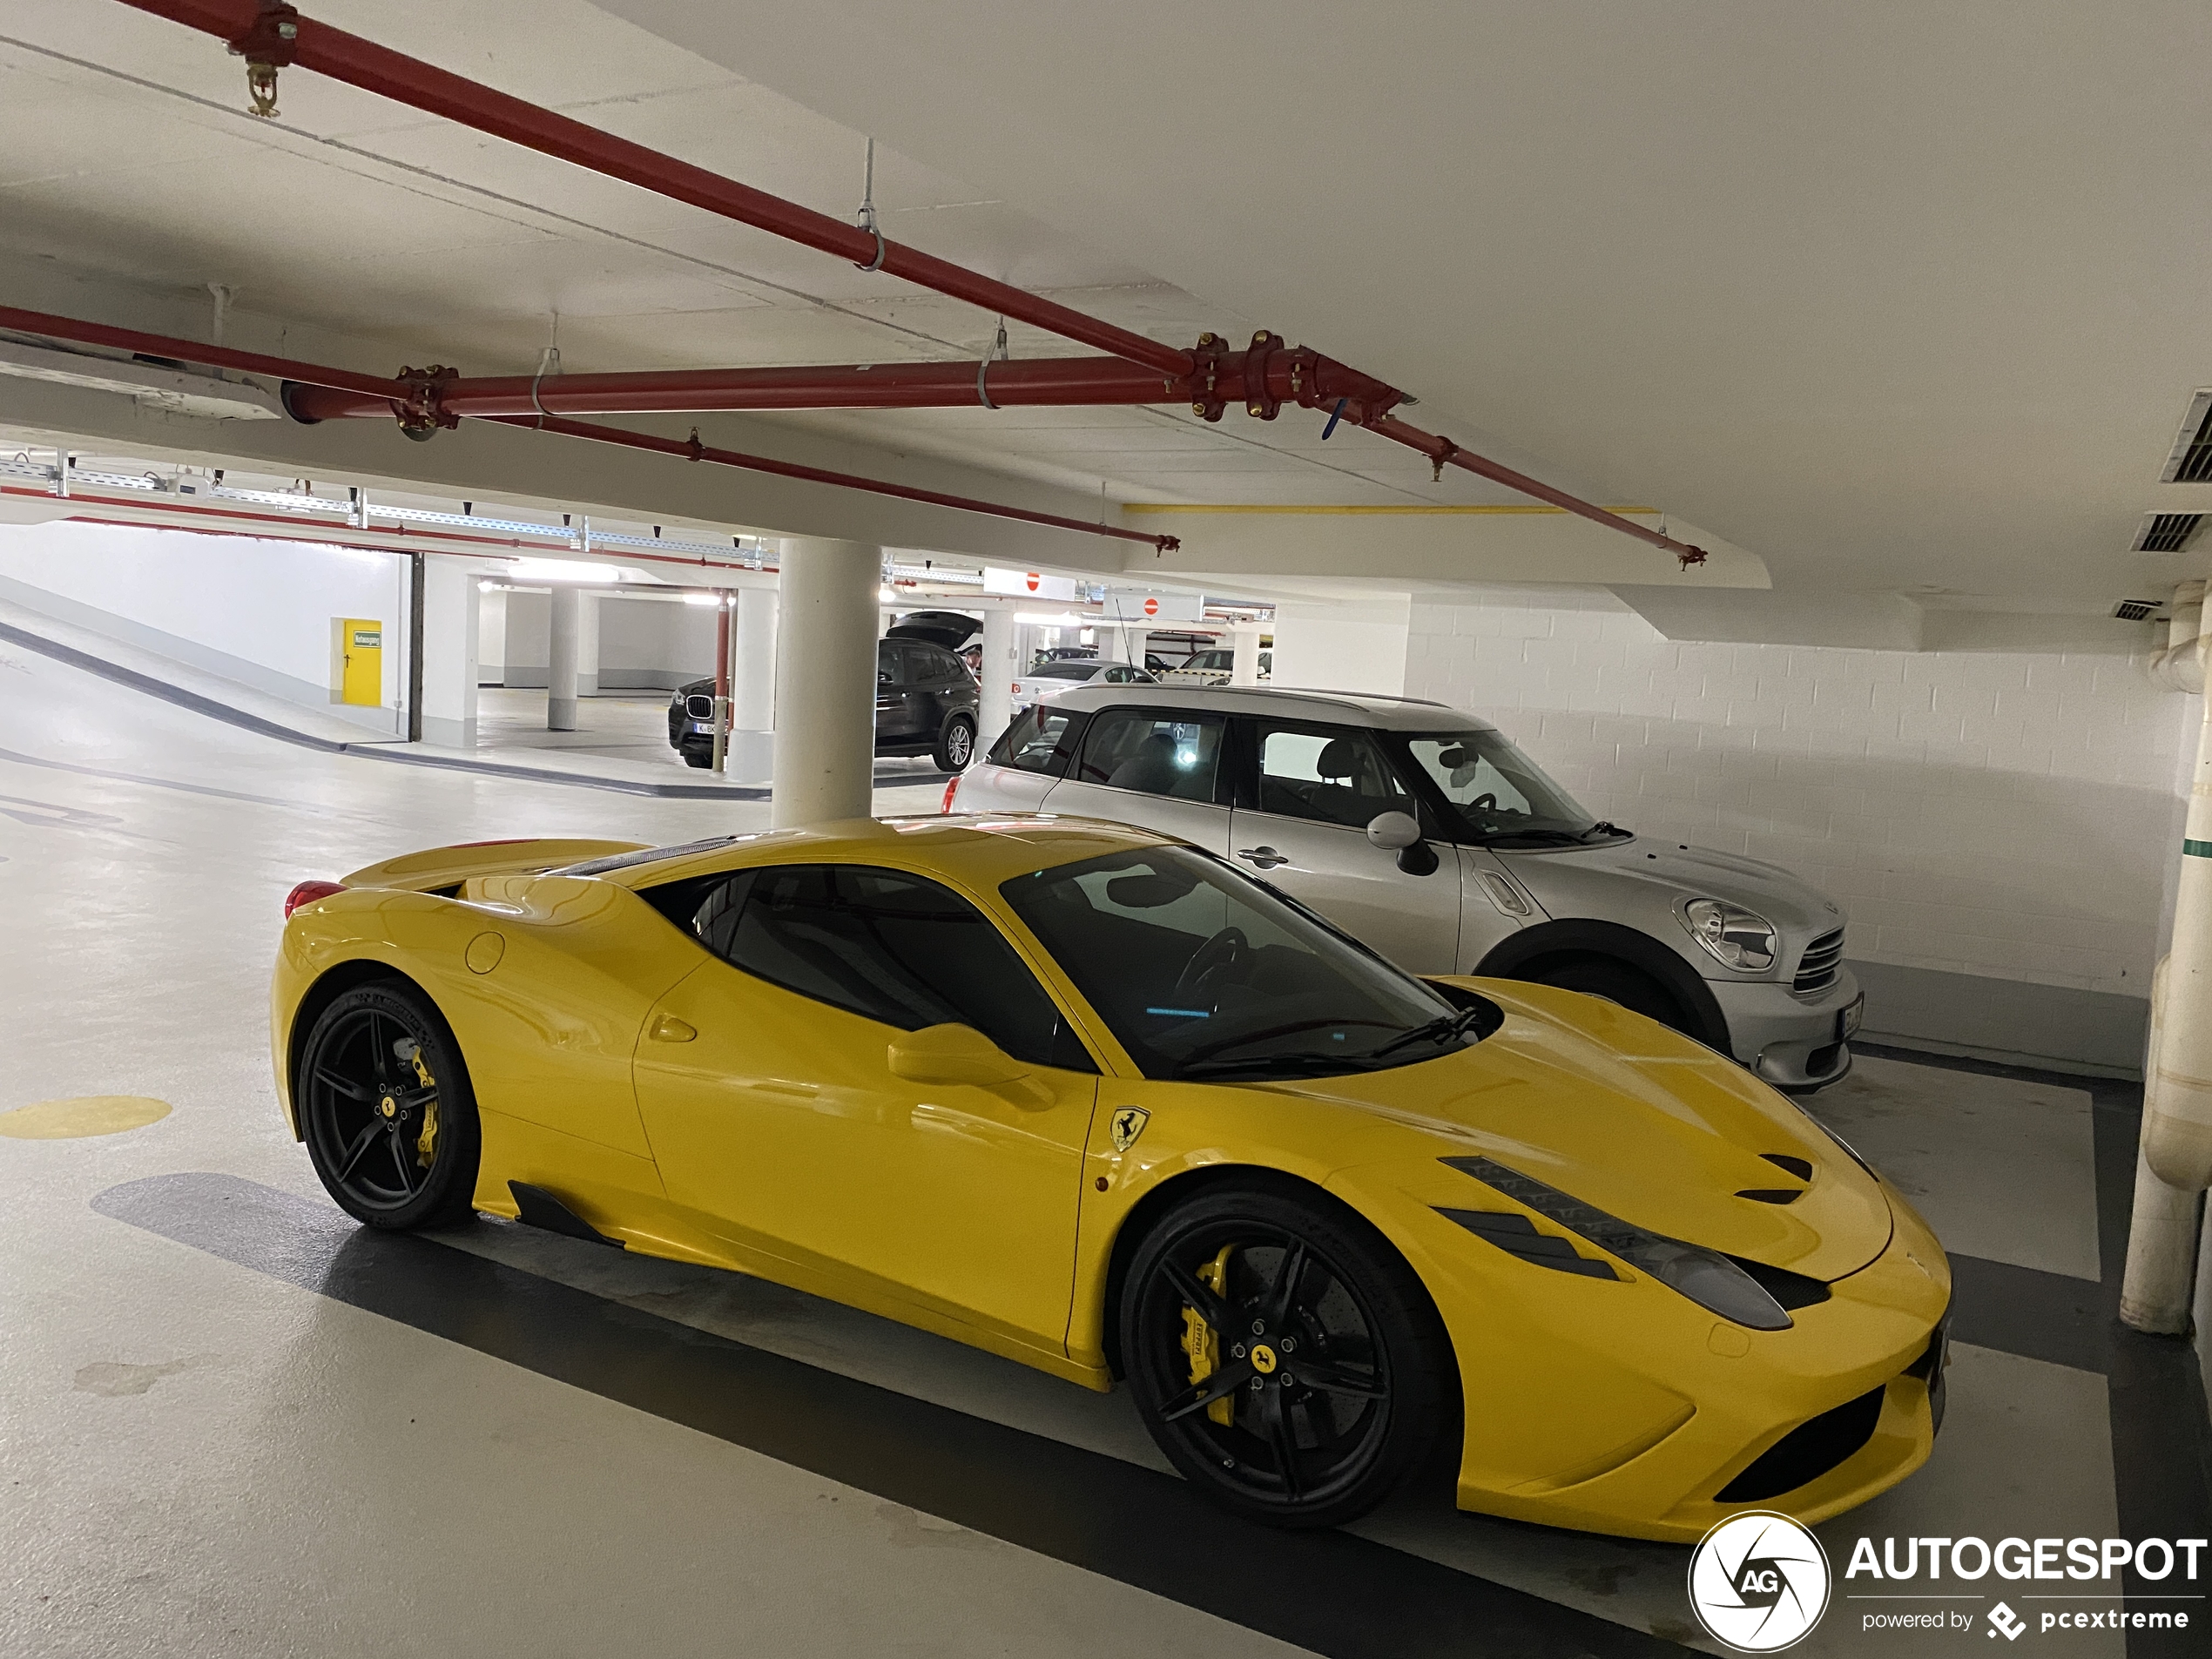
1900, 300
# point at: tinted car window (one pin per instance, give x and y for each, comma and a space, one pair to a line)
1201, 972
890, 664
935, 667
888, 946
1169, 753
1331, 774
1077, 670
1042, 739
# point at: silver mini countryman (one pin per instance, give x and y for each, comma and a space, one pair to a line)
1425, 833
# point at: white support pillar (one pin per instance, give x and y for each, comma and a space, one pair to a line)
826, 635
1243, 664
562, 644
587, 645
449, 640
752, 687
1001, 666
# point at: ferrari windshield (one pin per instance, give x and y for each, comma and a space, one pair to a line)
1501, 794
1203, 972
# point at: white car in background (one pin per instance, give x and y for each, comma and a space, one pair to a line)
1049, 680
1214, 667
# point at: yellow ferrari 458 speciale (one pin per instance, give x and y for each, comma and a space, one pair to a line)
1088, 1098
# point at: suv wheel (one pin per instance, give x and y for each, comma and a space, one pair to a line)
955, 744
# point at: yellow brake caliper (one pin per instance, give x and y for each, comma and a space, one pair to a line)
1201, 1342
426, 1144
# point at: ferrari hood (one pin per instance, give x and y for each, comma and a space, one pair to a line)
1619, 1112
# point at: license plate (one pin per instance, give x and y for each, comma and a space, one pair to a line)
703, 725
1851, 1019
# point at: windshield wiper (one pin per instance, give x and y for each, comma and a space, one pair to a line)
1602, 828
1445, 1028
1331, 1064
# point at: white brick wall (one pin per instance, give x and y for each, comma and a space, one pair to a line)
2005, 814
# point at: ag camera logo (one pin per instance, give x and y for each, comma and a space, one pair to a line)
1758, 1583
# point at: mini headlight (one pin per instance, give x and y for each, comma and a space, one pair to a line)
1706, 1276
1732, 935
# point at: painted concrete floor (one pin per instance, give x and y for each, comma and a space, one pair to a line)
211, 1442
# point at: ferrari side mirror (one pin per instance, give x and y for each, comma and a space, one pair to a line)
954, 1053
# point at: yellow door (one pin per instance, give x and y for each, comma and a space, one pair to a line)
361, 647
776, 1118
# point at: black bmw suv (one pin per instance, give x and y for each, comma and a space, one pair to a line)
926, 703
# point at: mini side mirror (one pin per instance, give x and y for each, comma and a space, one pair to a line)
954, 1053
1398, 833
1391, 830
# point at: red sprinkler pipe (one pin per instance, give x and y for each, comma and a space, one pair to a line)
1445, 453
270, 35
694, 450
277, 36
297, 374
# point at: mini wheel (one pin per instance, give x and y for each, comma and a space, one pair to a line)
955, 744
1283, 1355
1616, 982
384, 1098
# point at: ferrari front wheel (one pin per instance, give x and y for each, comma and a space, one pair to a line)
383, 1097
1283, 1355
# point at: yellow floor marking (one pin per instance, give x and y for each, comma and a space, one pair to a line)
87, 1114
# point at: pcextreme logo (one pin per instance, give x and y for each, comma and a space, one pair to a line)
1758, 1583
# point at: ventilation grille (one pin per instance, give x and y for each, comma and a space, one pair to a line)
2134, 610
2166, 532
2191, 461
1816, 968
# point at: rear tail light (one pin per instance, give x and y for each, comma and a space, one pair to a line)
951, 789
307, 892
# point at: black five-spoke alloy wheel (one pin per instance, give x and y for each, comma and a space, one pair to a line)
1283, 1355
391, 1124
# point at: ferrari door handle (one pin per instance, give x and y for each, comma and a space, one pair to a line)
1265, 857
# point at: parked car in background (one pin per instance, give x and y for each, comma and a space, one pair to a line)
1213, 668
926, 703
1428, 835
1049, 680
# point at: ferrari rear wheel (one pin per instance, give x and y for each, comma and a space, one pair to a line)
384, 1098
1283, 1355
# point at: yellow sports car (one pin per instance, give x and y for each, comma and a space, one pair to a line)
1091, 1099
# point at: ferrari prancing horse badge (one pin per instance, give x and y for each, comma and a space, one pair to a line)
1128, 1124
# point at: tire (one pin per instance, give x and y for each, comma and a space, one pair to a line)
956, 746
370, 1160
1613, 981
1388, 1366
694, 758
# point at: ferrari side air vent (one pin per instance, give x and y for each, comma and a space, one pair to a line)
2166, 532
1797, 1166
1517, 1236
2136, 609
2191, 461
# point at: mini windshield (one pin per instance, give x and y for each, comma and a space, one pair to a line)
1202, 972
1500, 793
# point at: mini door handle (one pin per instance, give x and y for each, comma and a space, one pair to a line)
1266, 858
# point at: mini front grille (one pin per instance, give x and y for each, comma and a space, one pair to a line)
1818, 968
